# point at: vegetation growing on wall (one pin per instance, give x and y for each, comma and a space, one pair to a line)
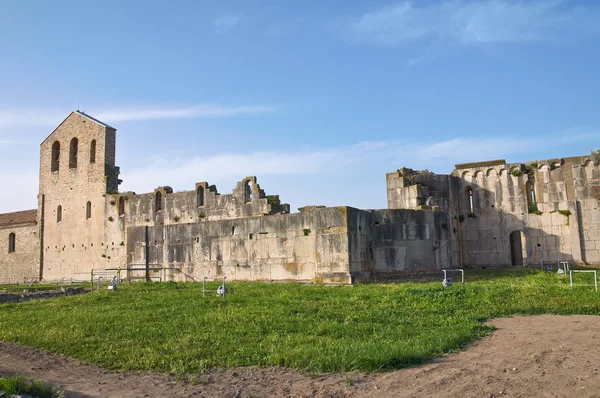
533, 209
595, 151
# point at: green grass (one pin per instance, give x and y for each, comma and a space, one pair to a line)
20, 385
171, 328
39, 287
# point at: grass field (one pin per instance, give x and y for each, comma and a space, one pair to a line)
36, 388
171, 328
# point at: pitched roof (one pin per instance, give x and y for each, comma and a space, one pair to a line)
93, 119
81, 114
18, 217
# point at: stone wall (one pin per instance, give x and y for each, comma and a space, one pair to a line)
24, 263
503, 214
389, 241
307, 246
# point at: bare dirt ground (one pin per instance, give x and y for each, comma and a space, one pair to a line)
537, 356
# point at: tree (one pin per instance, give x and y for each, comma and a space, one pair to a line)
596, 151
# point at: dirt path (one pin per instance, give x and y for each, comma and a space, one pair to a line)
541, 356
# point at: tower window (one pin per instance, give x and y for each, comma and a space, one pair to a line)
59, 214
121, 206
55, 157
73, 148
88, 210
93, 152
158, 202
11, 242
200, 196
247, 192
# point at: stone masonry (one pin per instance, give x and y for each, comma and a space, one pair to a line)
482, 214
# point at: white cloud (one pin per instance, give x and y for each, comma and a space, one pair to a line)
224, 23
477, 22
346, 175
23, 191
54, 117
199, 111
317, 170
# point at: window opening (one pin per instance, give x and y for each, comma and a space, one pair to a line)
158, 202
55, 161
200, 198
73, 148
247, 192
11, 242
470, 198
93, 152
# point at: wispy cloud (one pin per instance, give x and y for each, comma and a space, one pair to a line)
345, 175
477, 22
199, 111
53, 117
227, 22
314, 171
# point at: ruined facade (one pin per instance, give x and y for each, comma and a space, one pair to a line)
488, 213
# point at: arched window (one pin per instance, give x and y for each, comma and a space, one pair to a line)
11, 242
158, 202
247, 192
200, 196
73, 147
55, 159
121, 206
59, 214
469, 196
93, 152
88, 210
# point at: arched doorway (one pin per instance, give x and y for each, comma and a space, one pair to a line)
518, 248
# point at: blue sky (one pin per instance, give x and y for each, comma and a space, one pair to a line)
317, 99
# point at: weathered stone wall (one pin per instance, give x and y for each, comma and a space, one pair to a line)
553, 204
24, 262
309, 246
388, 241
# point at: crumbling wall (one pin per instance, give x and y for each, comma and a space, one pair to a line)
166, 207
552, 203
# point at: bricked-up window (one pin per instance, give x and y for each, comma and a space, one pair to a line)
88, 210
73, 148
247, 192
93, 152
59, 214
55, 160
200, 196
121, 206
11, 242
158, 202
